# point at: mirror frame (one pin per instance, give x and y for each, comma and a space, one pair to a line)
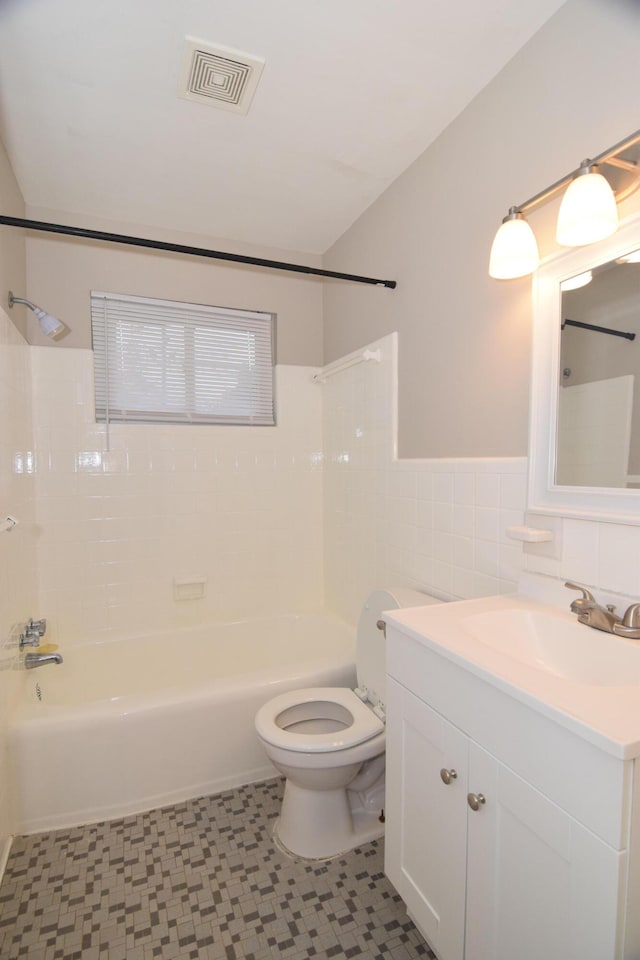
545, 496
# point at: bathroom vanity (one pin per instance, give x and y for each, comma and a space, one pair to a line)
513, 791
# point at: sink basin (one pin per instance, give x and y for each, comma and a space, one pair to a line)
585, 680
557, 645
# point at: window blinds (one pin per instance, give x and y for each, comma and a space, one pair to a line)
171, 362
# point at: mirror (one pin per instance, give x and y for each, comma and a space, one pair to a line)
585, 405
598, 429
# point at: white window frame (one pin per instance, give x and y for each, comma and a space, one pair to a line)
191, 363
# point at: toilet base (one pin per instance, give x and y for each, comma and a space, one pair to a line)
366, 828
323, 824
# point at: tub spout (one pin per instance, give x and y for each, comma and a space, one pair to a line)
32, 660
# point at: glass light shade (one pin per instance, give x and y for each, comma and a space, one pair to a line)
574, 283
514, 252
588, 211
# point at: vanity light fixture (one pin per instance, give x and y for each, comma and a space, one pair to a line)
49, 324
588, 211
574, 283
514, 252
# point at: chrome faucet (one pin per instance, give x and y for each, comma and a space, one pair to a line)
34, 631
605, 618
33, 660
28, 639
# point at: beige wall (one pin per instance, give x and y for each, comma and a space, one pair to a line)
62, 272
464, 338
12, 253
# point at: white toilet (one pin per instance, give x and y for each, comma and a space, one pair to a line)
329, 743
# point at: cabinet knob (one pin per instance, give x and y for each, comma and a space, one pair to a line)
448, 775
475, 800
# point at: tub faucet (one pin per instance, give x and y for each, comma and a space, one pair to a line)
28, 639
33, 660
34, 630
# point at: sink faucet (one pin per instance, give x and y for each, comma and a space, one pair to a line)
591, 612
629, 627
586, 602
33, 660
605, 618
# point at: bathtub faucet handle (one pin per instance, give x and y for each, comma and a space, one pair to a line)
37, 627
29, 640
34, 631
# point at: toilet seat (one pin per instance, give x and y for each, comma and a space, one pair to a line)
365, 724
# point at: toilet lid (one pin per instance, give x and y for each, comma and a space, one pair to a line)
365, 723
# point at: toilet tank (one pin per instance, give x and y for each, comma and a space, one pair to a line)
370, 644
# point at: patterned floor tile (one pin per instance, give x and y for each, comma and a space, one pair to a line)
201, 880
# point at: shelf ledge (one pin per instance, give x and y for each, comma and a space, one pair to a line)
529, 534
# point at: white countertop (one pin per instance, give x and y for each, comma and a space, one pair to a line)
606, 715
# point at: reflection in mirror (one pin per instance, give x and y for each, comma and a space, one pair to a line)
598, 423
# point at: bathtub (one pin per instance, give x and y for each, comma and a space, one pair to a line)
128, 725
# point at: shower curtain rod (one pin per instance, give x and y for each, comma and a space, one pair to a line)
593, 326
190, 251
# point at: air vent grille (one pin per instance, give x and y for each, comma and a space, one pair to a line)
219, 76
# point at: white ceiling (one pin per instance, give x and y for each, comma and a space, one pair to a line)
352, 92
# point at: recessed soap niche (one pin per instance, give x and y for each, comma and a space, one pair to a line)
189, 588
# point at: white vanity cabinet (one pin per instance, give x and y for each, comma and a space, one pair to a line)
507, 837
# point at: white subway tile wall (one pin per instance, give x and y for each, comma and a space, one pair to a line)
238, 506
601, 555
18, 586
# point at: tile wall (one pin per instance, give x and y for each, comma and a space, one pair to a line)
240, 507
438, 525
18, 587
253, 510
605, 556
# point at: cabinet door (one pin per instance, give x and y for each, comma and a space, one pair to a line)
425, 846
538, 883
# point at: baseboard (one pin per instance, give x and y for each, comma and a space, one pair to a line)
4, 855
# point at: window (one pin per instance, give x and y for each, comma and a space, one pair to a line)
170, 362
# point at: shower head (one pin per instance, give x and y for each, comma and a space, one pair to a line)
49, 324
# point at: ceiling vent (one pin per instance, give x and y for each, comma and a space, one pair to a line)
220, 76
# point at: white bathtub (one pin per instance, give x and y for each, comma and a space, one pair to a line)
129, 725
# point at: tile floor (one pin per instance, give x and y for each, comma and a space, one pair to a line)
199, 880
